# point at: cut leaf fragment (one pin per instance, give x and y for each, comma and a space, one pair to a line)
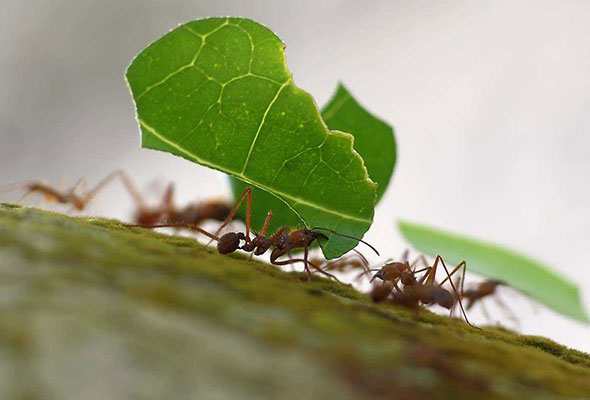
531, 277
217, 91
373, 140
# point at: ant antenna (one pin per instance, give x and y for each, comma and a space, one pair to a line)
363, 259
347, 236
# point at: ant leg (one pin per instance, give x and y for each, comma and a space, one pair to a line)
266, 224
321, 271
101, 185
72, 193
82, 182
168, 199
463, 265
429, 271
364, 260
191, 227
248, 195
460, 280
394, 284
507, 311
419, 258
454, 288
315, 267
132, 189
327, 265
306, 261
61, 185
421, 270
25, 196
405, 255
293, 261
485, 313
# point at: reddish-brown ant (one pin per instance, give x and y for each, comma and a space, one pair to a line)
282, 242
194, 213
167, 212
69, 196
485, 289
415, 291
392, 271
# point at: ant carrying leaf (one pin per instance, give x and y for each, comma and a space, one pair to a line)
281, 243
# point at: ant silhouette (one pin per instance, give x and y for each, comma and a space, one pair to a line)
67, 196
485, 289
415, 291
192, 214
281, 243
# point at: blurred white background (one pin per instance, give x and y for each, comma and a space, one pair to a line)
490, 103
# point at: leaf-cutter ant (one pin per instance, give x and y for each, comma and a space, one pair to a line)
146, 216
67, 196
424, 290
476, 295
168, 212
281, 243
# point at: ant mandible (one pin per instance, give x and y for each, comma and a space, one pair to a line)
282, 242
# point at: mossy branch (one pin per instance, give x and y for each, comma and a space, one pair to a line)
92, 307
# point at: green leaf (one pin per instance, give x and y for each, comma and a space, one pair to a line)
531, 277
373, 140
217, 91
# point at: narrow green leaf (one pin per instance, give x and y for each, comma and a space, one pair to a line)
531, 277
217, 91
373, 140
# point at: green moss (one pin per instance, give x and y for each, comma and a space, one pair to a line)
371, 350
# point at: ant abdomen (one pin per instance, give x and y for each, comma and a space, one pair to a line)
229, 242
445, 299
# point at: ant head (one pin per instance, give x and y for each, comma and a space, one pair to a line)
315, 234
407, 278
380, 274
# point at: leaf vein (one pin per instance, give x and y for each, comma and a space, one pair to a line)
240, 175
